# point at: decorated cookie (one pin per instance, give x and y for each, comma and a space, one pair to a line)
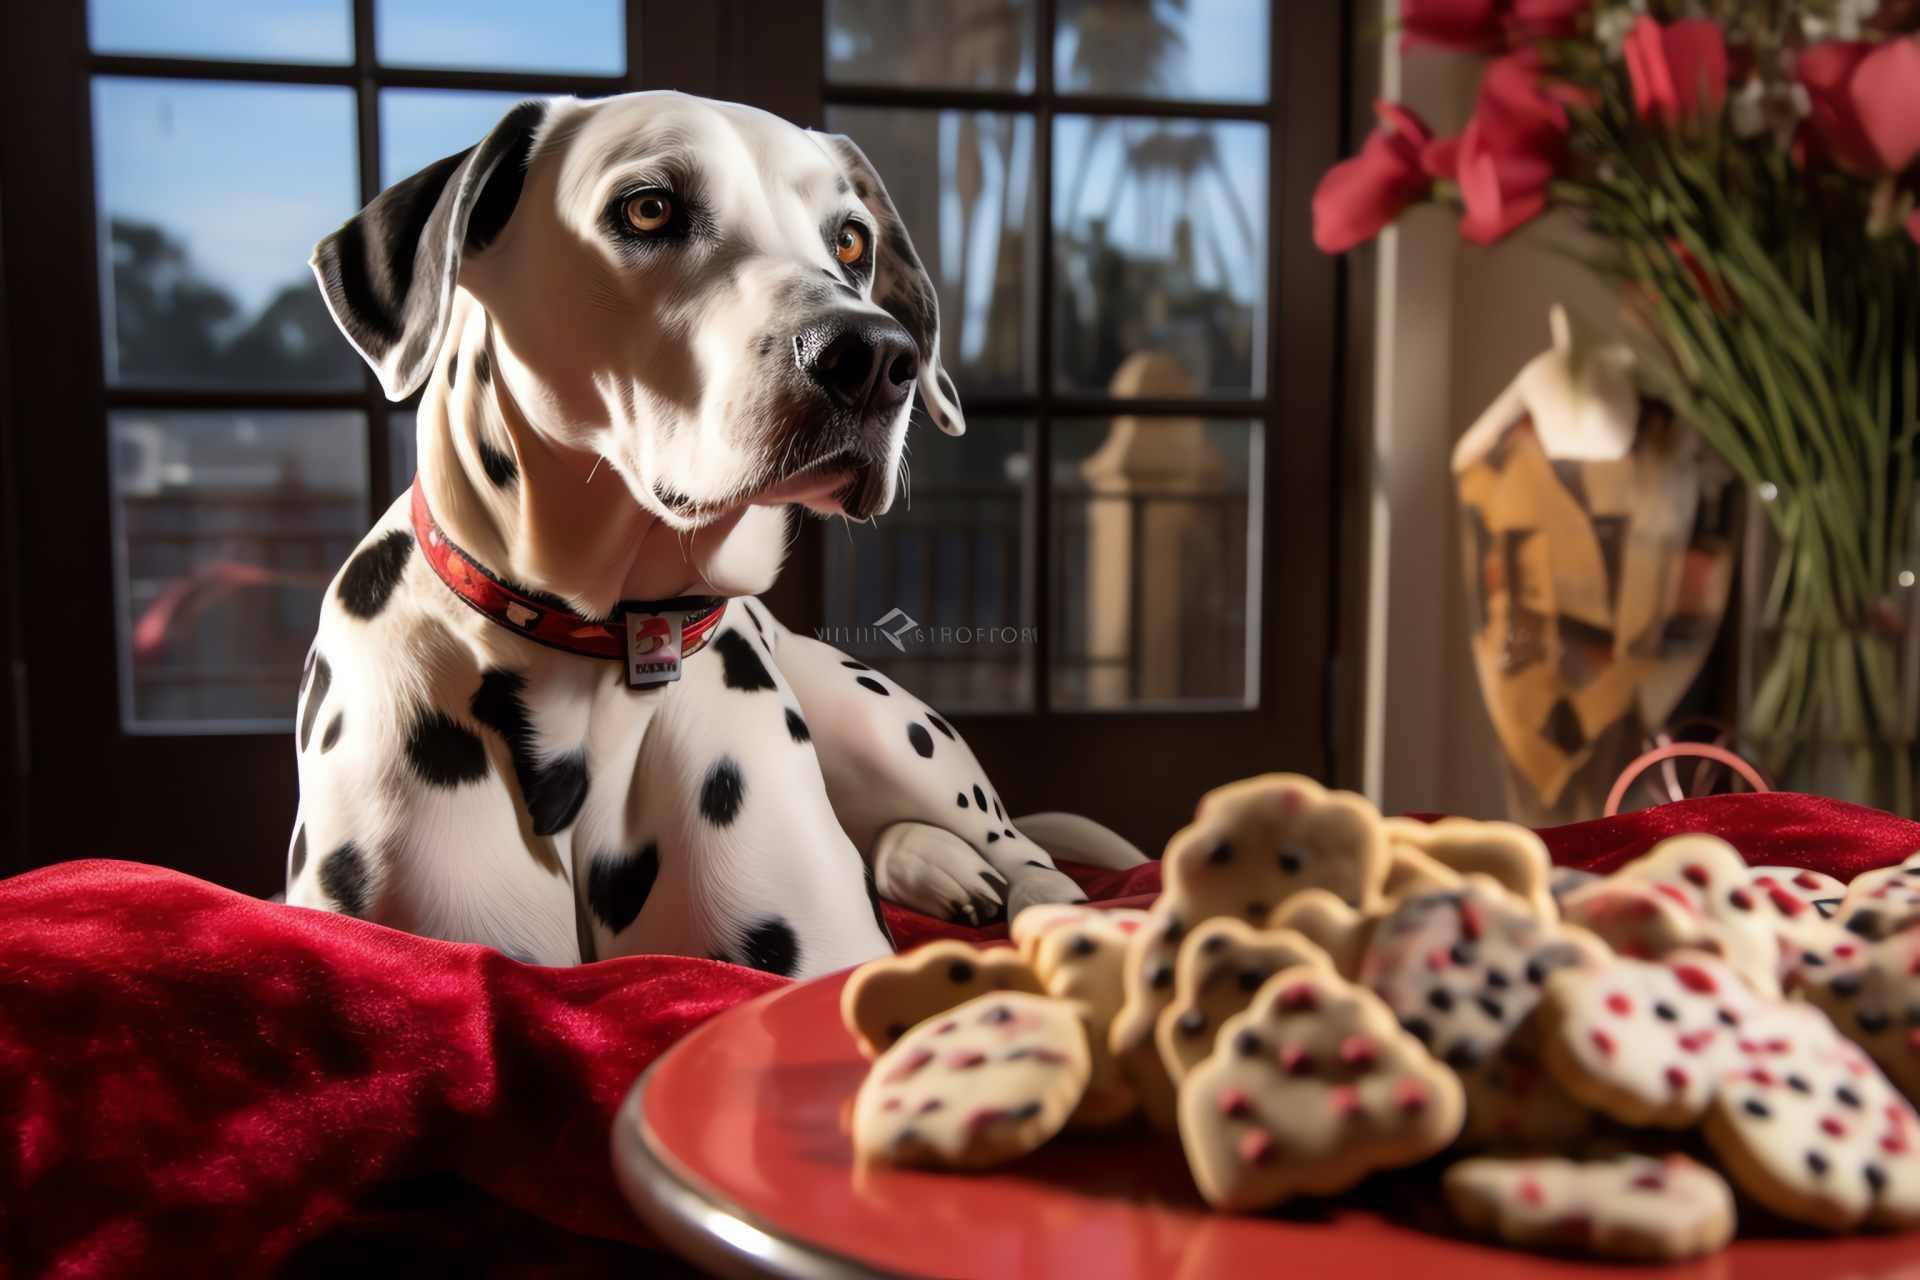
1509, 853
885, 998
1640, 1207
1647, 1043
1253, 843
1515, 1104
1815, 888
1410, 872
1640, 920
1873, 997
1222, 963
1082, 961
1308, 1090
1567, 879
1757, 925
1815, 1132
1330, 924
1461, 970
981, 1084
1883, 902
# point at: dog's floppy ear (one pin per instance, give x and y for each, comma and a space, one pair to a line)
388, 274
901, 285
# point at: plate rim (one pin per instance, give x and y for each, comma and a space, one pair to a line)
695, 1220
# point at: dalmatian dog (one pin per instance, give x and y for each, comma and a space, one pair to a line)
646, 327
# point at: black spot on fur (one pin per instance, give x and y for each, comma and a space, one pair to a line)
992, 836
857, 666
367, 583
754, 618
482, 367
721, 794
332, 735
618, 887
1044, 867
316, 694
501, 467
453, 367
740, 663
940, 724
922, 740
346, 878
306, 671
554, 789
297, 858
796, 727
873, 898
443, 751
868, 682
980, 797
962, 797
771, 948
998, 812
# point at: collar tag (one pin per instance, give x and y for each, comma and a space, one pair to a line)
653, 647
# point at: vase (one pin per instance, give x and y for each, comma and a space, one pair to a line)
1595, 591
1827, 703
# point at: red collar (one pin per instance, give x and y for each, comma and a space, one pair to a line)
662, 633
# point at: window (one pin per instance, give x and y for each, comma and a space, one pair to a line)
1088, 183
249, 449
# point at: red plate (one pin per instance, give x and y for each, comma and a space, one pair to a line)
731, 1147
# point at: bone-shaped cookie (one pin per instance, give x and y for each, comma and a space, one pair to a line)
886, 998
1873, 997
1308, 1090
1815, 1132
1081, 961
981, 1084
1884, 902
1758, 925
1641, 1207
1511, 854
1222, 963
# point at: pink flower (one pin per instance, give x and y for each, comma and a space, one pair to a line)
1458, 26
1827, 71
1510, 150
1885, 92
1548, 19
1358, 197
1679, 72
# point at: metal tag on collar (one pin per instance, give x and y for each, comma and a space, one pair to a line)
653, 647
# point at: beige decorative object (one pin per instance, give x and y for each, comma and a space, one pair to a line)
1143, 459
1595, 585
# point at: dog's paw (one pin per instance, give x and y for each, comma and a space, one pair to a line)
933, 871
1033, 885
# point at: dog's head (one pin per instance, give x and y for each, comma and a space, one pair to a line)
724, 306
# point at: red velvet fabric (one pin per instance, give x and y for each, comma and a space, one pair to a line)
195, 1082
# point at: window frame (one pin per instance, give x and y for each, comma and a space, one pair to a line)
220, 806
1092, 760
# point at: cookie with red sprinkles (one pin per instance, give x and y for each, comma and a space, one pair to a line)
1645, 1208
1310, 1089
976, 1086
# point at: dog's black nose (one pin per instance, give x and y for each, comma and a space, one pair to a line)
872, 363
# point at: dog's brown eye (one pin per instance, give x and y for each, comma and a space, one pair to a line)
849, 244
649, 213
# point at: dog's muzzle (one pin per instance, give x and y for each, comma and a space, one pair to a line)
865, 365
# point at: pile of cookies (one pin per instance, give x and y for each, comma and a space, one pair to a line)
1319, 994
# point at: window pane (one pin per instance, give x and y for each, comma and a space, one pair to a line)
935, 593
1160, 245
1156, 559
977, 44
963, 183
403, 449
584, 36
419, 126
227, 529
1203, 50
211, 197
317, 31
